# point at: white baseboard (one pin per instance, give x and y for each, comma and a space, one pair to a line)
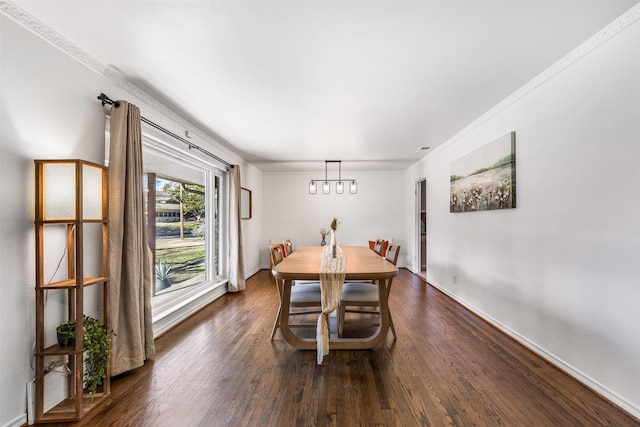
550, 357
251, 273
17, 422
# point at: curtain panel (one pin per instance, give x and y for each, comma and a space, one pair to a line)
236, 261
130, 266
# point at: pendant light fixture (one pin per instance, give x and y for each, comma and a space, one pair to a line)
326, 182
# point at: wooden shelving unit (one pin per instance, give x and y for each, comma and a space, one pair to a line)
84, 203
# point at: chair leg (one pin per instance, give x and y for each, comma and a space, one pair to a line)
393, 328
342, 310
276, 324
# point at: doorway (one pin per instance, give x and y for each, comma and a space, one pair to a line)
421, 227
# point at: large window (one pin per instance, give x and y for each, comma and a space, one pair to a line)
183, 202
176, 217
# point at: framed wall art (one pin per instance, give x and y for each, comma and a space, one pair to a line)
485, 179
245, 203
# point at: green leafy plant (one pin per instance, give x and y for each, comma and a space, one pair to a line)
96, 344
164, 270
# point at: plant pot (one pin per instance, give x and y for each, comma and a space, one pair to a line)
70, 342
162, 284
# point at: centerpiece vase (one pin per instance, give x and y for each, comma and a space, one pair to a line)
333, 243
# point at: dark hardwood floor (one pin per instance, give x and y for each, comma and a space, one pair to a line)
448, 367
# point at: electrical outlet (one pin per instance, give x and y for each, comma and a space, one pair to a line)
55, 364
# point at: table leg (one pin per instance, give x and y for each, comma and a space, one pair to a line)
336, 343
289, 336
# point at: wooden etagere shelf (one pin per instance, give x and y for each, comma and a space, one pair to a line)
72, 283
83, 200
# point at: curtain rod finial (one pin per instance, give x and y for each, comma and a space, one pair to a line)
106, 100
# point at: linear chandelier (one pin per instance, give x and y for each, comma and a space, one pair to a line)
326, 186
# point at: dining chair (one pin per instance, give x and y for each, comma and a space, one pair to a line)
364, 295
306, 297
380, 246
288, 246
275, 253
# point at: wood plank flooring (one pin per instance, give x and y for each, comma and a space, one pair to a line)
447, 368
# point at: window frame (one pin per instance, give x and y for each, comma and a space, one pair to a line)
158, 146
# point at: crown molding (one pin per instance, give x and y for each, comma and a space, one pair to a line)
24, 19
604, 35
572, 57
46, 33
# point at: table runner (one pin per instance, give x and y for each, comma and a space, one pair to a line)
332, 272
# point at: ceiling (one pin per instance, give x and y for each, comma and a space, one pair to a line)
288, 84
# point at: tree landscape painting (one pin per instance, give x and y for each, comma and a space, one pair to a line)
485, 179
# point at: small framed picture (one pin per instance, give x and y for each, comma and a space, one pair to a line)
245, 203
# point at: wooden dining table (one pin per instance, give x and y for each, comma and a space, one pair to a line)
361, 264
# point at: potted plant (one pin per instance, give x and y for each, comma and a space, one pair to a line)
164, 272
66, 333
96, 344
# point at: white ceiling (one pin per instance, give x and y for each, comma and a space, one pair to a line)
303, 81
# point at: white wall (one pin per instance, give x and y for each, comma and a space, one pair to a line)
289, 211
49, 110
252, 228
561, 272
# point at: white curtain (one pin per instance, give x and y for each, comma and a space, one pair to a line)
130, 269
236, 261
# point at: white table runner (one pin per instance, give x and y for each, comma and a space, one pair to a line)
332, 272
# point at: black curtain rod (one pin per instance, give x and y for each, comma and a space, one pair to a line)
106, 100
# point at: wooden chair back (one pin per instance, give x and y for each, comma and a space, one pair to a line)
275, 254
288, 246
392, 253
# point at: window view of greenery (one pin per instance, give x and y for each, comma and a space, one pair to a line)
180, 232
